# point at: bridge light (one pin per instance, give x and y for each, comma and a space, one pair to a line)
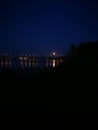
54, 53
20, 58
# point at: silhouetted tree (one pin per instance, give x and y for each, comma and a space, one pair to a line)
88, 52
72, 49
72, 53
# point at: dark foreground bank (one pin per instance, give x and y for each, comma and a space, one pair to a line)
64, 97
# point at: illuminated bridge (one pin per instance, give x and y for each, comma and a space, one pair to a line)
30, 60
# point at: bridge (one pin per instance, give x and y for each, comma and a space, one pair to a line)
31, 60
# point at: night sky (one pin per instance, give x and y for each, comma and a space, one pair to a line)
43, 26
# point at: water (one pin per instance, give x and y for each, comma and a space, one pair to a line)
28, 63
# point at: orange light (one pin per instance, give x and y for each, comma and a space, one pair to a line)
54, 63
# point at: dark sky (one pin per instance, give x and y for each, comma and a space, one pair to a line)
42, 26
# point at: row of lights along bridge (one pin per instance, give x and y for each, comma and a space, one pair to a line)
25, 60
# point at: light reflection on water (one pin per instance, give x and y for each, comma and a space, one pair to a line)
5, 64
32, 63
54, 63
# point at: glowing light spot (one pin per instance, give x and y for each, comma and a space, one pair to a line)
20, 58
54, 53
54, 63
25, 58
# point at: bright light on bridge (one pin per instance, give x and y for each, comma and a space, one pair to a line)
54, 53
